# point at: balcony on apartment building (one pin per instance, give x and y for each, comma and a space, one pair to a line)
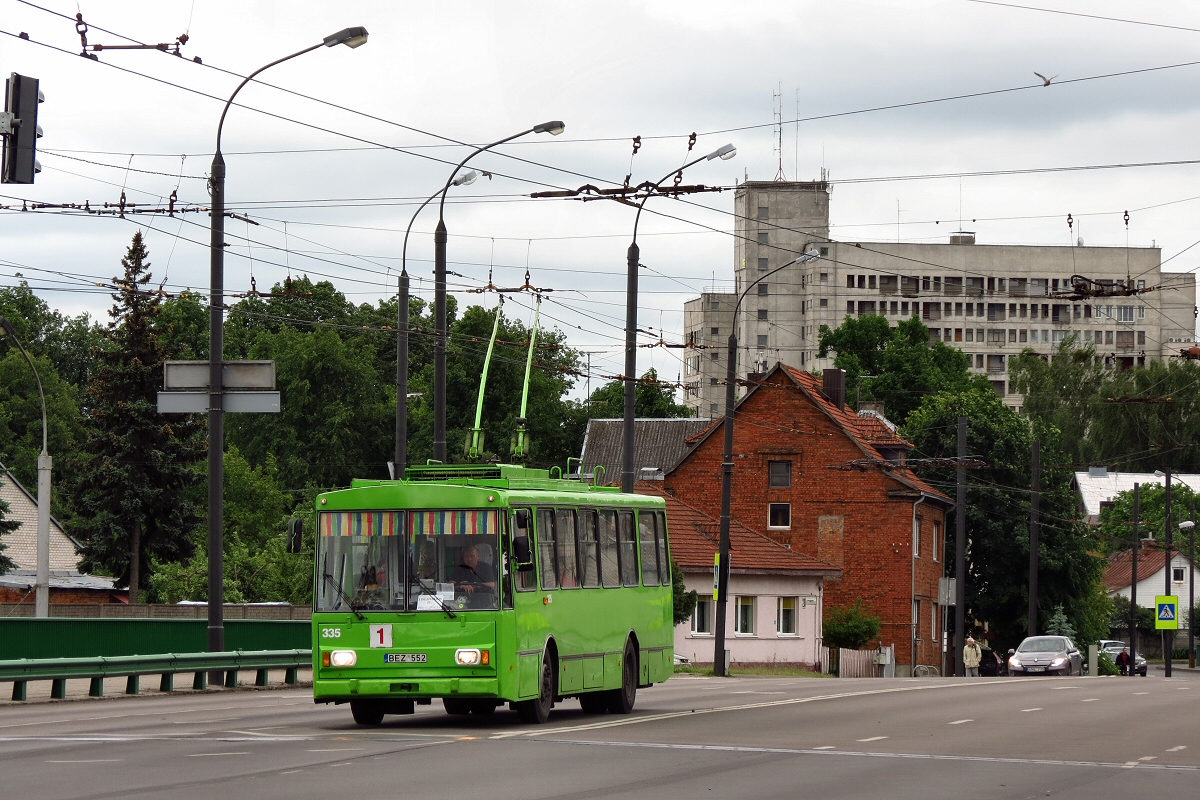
969, 286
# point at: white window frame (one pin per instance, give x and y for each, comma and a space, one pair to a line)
917, 536
707, 601
937, 539
738, 604
794, 634
771, 527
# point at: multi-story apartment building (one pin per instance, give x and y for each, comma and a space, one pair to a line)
991, 301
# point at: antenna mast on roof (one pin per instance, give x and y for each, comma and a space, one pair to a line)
777, 110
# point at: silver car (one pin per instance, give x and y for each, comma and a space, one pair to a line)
1045, 655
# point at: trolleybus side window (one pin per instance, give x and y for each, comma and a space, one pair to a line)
526, 576
610, 552
588, 549
546, 548
649, 549
568, 570
664, 561
628, 540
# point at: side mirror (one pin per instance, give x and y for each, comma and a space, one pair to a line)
521, 553
1011, 651
295, 535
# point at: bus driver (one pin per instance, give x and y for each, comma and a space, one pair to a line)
473, 575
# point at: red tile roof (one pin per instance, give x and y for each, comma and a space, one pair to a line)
694, 538
1119, 573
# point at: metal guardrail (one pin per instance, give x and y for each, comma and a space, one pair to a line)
167, 665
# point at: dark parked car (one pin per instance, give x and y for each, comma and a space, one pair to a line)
1113, 648
1046, 655
991, 664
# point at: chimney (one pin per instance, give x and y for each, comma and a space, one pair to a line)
962, 237
834, 386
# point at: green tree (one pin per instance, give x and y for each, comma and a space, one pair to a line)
131, 491
685, 601
1064, 392
898, 366
652, 400
65, 341
1057, 624
6, 526
850, 627
998, 515
258, 567
1116, 520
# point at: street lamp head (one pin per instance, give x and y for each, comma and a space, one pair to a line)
553, 127
6, 327
724, 153
351, 37
1186, 526
811, 255
465, 179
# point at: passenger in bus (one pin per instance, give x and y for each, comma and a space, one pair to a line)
427, 564
472, 575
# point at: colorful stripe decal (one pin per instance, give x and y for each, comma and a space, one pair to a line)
360, 523
458, 522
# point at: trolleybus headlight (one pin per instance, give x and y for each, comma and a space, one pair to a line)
467, 656
343, 658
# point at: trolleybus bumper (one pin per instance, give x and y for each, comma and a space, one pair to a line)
341, 691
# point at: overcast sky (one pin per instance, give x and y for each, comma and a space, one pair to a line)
475, 72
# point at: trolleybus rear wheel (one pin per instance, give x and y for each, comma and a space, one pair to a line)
620, 701
456, 706
537, 711
593, 702
366, 712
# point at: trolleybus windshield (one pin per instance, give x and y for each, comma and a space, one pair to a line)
422, 560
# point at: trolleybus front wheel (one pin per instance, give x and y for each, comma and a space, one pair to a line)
620, 701
367, 712
537, 711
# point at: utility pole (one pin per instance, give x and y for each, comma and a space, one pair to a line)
1034, 532
1168, 636
960, 552
1192, 587
1137, 546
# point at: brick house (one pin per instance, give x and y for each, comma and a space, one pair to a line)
775, 593
876, 521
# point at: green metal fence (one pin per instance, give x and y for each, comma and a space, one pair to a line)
90, 638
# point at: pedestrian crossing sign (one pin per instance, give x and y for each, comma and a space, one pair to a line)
1166, 616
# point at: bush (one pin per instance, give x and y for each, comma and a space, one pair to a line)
1106, 665
850, 627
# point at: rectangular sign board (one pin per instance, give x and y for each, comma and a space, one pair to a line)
234, 375
239, 402
1166, 612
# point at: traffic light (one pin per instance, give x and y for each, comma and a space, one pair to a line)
295, 540
19, 125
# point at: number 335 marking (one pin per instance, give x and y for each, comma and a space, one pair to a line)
331, 633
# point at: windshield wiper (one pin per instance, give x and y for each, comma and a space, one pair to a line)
421, 588
349, 602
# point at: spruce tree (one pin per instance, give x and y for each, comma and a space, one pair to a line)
6, 526
133, 492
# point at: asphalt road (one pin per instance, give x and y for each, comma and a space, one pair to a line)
691, 737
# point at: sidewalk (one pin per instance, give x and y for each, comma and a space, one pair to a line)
77, 689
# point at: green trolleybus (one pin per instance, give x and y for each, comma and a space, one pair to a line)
485, 584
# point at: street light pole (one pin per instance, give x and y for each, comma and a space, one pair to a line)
1188, 526
44, 463
440, 236
632, 259
727, 468
352, 37
401, 457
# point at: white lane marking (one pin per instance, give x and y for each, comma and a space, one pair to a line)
291, 772
871, 739
204, 755
748, 692
1177, 748
1090, 700
1141, 693
956, 722
335, 750
84, 761
1148, 758
1057, 688
824, 747
1032, 709
865, 754
922, 686
159, 713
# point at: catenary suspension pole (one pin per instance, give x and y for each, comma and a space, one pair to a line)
960, 552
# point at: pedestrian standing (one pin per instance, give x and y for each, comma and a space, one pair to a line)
972, 655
